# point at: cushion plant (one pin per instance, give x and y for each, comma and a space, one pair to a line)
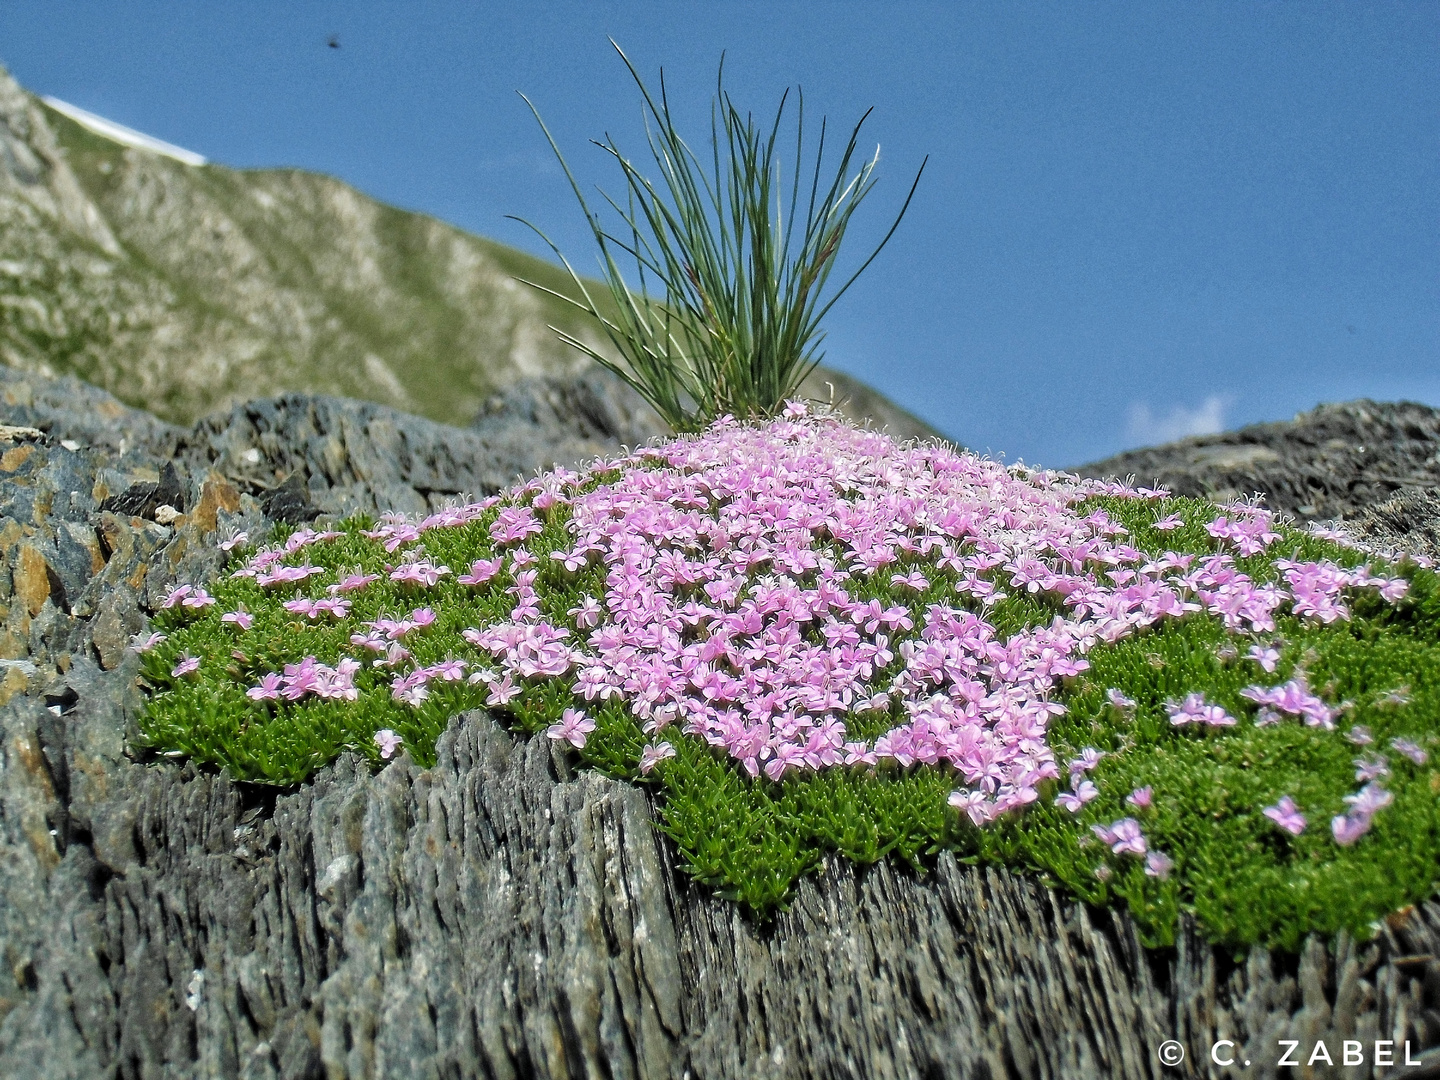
808, 639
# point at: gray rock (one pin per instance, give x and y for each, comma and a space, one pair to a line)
1335, 461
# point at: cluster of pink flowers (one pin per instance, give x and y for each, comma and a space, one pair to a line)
190, 596
309, 676
412, 689
1196, 710
1295, 698
415, 569
313, 609
267, 567
738, 603
1124, 837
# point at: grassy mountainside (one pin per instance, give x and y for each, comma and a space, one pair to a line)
182, 289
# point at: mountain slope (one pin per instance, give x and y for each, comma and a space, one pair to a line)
184, 289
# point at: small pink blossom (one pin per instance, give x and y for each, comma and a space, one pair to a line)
239, 617
1347, 828
574, 727
1141, 798
1158, 865
1196, 710
481, 571
1080, 794
1123, 836
653, 754
388, 742
1373, 768
142, 644
177, 595
1286, 815
185, 665
1410, 750
351, 583
268, 690
1265, 656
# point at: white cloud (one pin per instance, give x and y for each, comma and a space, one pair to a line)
1147, 428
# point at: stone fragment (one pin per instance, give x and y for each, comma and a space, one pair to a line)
117, 620
12, 459
142, 499
35, 582
216, 494
290, 502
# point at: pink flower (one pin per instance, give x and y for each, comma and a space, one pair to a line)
588, 613
185, 665
1158, 865
141, 644
1369, 799
574, 727
481, 571
1266, 657
502, 692
1347, 828
199, 598
1081, 793
1376, 768
975, 804
1359, 735
419, 571
1141, 798
515, 523
1286, 815
1123, 836
268, 690
176, 595
914, 580
1195, 710
240, 617
388, 742
653, 754
233, 541
351, 583
1410, 750
1174, 521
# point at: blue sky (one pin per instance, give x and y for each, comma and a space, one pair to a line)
1138, 220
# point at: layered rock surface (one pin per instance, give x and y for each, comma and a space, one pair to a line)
1332, 462
501, 915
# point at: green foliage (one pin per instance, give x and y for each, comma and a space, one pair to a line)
1242, 878
735, 327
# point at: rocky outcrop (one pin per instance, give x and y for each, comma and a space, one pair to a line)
1335, 461
500, 914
